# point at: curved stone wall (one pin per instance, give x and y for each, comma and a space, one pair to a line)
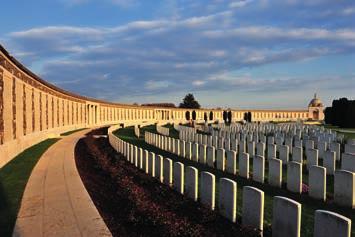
32, 110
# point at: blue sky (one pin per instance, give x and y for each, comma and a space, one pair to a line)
239, 54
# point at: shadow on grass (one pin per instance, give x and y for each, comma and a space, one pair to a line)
13, 180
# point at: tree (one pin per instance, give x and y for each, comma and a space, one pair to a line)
342, 113
229, 116
187, 115
225, 116
194, 115
211, 115
328, 115
245, 117
189, 102
249, 117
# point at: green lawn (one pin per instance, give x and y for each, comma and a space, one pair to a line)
71, 132
309, 205
349, 133
172, 132
13, 180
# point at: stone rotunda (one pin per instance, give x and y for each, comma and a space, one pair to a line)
316, 108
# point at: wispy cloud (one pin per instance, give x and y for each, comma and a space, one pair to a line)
204, 49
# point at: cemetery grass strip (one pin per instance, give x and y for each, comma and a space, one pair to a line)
13, 180
172, 132
133, 203
71, 132
309, 205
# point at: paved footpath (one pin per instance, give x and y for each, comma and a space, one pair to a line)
55, 202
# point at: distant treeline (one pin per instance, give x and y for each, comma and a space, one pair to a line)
342, 113
168, 105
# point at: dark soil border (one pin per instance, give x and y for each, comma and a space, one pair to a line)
135, 204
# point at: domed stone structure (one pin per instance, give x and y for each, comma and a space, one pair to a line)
315, 102
316, 108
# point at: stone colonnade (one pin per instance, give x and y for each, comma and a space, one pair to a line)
31, 110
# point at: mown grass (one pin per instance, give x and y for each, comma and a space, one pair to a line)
309, 205
13, 180
71, 132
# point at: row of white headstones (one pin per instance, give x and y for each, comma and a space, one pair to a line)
226, 160
328, 150
286, 219
162, 130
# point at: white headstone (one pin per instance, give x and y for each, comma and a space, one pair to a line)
348, 162
251, 148
179, 177
177, 147
286, 217
227, 203
191, 182
151, 164
210, 156
344, 188
195, 150
329, 161
322, 147
168, 171
202, 150
188, 150
260, 149
244, 165
297, 154
231, 164
350, 148
275, 172
330, 224
258, 169
317, 182
146, 161
312, 157
271, 151
221, 159
334, 146
284, 154
182, 148
159, 167
253, 208
208, 189
294, 177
